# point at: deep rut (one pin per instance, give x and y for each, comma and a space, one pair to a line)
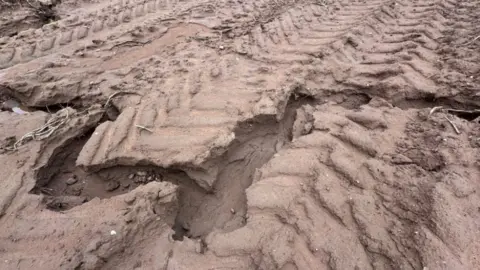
65, 185
225, 207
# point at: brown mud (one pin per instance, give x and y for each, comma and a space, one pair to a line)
272, 134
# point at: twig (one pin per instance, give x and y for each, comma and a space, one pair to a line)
463, 111
53, 124
57, 121
453, 125
47, 191
34, 7
116, 94
434, 109
144, 128
472, 41
130, 43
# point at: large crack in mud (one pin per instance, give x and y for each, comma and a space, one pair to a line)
256, 141
66, 185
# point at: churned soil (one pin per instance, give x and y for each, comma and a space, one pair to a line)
215, 134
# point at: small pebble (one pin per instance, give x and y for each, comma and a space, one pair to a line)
71, 181
112, 232
131, 176
221, 47
141, 173
232, 211
149, 178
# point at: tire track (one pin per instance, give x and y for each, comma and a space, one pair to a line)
372, 48
390, 54
303, 31
137, 17
193, 97
191, 117
382, 208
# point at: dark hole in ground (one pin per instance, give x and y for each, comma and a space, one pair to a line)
430, 101
460, 108
352, 101
472, 115
256, 141
53, 108
64, 185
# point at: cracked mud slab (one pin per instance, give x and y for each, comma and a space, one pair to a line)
290, 134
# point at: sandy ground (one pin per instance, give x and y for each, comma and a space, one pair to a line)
215, 134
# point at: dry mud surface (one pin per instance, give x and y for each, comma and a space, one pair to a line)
215, 134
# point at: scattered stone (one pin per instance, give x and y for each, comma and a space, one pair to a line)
149, 178
131, 176
142, 173
221, 47
71, 181
126, 185
232, 211
112, 232
112, 185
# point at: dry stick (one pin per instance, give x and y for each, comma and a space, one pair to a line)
453, 125
434, 109
144, 128
463, 111
475, 39
130, 43
118, 93
57, 121
34, 7
46, 130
